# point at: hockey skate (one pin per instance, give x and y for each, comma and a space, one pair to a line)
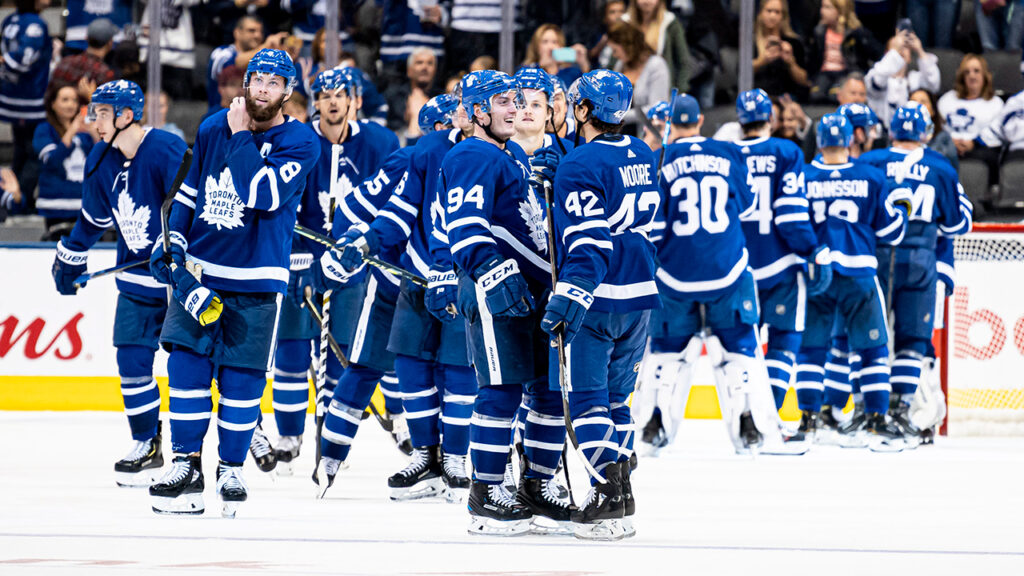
141, 466
827, 432
324, 474
551, 514
261, 450
508, 483
628, 503
180, 490
654, 437
750, 439
231, 488
900, 414
882, 434
600, 517
421, 478
493, 513
286, 452
456, 481
853, 433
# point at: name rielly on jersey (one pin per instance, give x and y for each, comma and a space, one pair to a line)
915, 172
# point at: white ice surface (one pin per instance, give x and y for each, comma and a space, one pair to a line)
955, 508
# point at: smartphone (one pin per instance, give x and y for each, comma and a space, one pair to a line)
904, 25
563, 55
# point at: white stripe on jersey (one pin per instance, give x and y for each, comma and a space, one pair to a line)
705, 285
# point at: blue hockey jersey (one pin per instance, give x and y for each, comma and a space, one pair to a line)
128, 194
220, 58
705, 191
360, 157
437, 240
25, 70
605, 199
491, 210
939, 202
778, 230
82, 12
237, 205
310, 16
852, 210
62, 169
403, 31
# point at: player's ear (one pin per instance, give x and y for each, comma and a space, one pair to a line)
580, 113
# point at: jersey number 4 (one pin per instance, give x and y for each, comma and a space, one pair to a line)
702, 205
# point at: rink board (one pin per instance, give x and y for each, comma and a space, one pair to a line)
56, 351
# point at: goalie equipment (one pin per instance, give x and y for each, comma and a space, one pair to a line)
928, 409
140, 467
493, 513
180, 490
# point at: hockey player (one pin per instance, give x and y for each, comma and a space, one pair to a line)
779, 237
230, 231
939, 205
852, 210
706, 288
125, 188
433, 371
606, 198
865, 127
361, 150
535, 122
495, 226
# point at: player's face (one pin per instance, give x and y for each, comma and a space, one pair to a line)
334, 106
65, 105
461, 120
265, 96
560, 106
104, 121
503, 115
533, 117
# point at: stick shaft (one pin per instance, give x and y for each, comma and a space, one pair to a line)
99, 274
372, 261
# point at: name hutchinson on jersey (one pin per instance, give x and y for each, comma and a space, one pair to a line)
223, 207
838, 189
697, 163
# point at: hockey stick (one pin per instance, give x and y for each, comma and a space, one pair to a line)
668, 130
560, 343
325, 315
165, 208
372, 261
120, 268
308, 298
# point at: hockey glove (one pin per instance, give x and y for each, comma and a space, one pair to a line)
504, 288
302, 274
199, 301
357, 244
159, 266
901, 198
441, 295
567, 308
819, 271
334, 274
545, 162
68, 265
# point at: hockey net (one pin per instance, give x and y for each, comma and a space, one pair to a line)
982, 343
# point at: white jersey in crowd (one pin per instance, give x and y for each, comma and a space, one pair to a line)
965, 119
177, 42
887, 92
1008, 127
479, 15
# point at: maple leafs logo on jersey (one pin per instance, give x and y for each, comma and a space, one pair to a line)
324, 198
222, 207
74, 165
533, 216
132, 222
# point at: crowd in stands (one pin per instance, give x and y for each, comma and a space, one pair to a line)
809, 55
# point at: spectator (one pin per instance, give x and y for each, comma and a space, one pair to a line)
777, 71
600, 54
773, 22
1000, 24
940, 140
373, 105
840, 46
646, 70
484, 62
248, 35
406, 26
229, 87
1007, 130
161, 122
906, 67
934, 21
11, 200
309, 17
665, 35
82, 13
476, 28
62, 144
794, 125
406, 99
88, 69
177, 44
877, 16
540, 53
453, 82
971, 107
276, 15
297, 107
851, 90
24, 74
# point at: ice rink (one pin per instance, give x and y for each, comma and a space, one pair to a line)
954, 508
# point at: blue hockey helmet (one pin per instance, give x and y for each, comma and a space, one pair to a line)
685, 110
834, 130
860, 115
440, 108
477, 88
120, 94
270, 61
353, 79
332, 80
753, 106
911, 122
610, 94
559, 85
660, 111
531, 78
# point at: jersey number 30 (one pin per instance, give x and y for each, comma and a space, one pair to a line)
702, 205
